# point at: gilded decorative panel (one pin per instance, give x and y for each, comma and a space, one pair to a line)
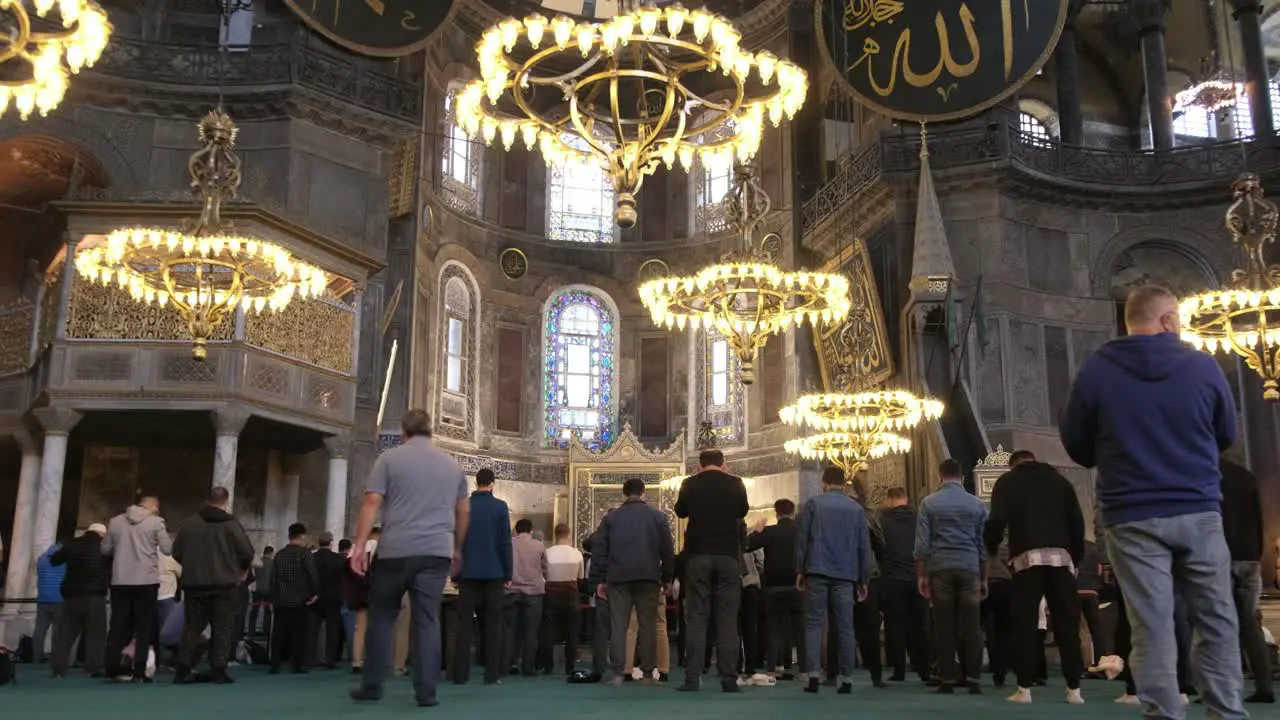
99, 312
16, 322
596, 477
401, 180
855, 353
320, 331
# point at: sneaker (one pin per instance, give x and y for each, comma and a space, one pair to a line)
812, 685
1127, 699
845, 688
1074, 697
1022, 696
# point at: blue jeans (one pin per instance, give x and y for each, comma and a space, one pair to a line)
423, 578
1154, 561
348, 628
823, 593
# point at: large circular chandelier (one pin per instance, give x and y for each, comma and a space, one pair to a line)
851, 429
746, 297
207, 271
49, 56
650, 85
1243, 318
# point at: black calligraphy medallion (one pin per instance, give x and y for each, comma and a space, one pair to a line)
382, 28
933, 60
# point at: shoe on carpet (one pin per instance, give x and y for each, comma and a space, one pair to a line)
974, 688
812, 685
845, 688
897, 678
428, 703
879, 683
731, 686
1074, 697
686, 687
362, 694
1127, 699
1021, 696
1185, 699
1261, 698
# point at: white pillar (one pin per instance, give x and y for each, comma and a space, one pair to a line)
24, 513
228, 422
57, 423
335, 512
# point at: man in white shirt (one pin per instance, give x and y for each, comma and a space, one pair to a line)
565, 571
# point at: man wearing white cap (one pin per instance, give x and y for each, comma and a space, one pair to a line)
84, 601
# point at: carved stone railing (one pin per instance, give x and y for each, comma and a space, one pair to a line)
1002, 145
260, 65
17, 323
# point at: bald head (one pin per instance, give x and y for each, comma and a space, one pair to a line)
1151, 310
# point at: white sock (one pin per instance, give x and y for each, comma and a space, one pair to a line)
1127, 699
1022, 696
1185, 700
1074, 697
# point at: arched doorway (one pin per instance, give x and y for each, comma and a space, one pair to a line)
1158, 263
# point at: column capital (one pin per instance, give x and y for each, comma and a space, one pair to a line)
339, 446
56, 420
229, 420
1149, 14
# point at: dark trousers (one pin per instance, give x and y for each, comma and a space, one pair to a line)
330, 614
784, 607
718, 578
749, 628
1246, 584
1093, 620
523, 621
957, 620
261, 604
906, 622
866, 623
997, 623
1057, 585
1124, 643
600, 632
489, 595
423, 577
291, 637
215, 608
642, 599
563, 623
83, 619
133, 617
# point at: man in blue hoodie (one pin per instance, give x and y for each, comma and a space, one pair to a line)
48, 600
1152, 414
833, 566
485, 574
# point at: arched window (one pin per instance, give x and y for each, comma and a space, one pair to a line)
580, 200
458, 313
579, 349
459, 162
1032, 128
1195, 121
720, 400
712, 179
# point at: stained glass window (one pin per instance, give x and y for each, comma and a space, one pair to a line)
722, 394
580, 200
578, 372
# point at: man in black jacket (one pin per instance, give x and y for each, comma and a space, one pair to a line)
215, 554
329, 568
715, 503
1242, 522
84, 602
1040, 509
633, 556
783, 604
906, 614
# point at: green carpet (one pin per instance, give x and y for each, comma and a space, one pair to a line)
322, 694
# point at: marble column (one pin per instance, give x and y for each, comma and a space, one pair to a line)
24, 513
335, 506
228, 422
1150, 15
1257, 82
1067, 67
57, 423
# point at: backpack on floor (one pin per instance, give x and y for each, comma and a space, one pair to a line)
8, 666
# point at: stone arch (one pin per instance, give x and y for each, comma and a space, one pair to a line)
1207, 253
478, 271
457, 410
119, 171
1042, 111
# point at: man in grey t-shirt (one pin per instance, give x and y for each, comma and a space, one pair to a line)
422, 495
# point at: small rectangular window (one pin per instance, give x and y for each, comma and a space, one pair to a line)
236, 31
